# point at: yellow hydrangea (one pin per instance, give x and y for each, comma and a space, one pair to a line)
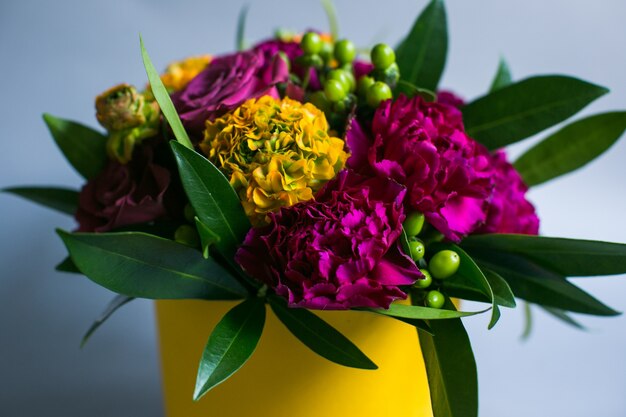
275, 152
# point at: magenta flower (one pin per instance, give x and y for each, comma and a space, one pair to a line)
227, 82
424, 147
124, 194
449, 98
509, 211
338, 251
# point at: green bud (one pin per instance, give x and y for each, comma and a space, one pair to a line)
187, 235
444, 264
382, 56
377, 93
327, 51
189, 213
344, 77
319, 100
345, 51
364, 84
435, 299
424, 282
413, 224
120, 108
311, 43
335, 90
417, 249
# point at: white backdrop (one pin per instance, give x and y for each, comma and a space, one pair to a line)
57, 55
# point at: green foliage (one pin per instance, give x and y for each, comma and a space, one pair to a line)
421, 56
145, 266
520, 110
240, 39
421, 313
114, 305
320, 336
63, 200
571, 148
163, 98
502, 78
83, 147
230, 345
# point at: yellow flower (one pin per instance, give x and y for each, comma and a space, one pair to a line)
275, 152
178, 74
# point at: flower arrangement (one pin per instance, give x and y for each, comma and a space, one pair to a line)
303, 174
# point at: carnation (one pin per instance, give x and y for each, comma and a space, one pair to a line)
424, 146
509, 211
338, 251
276, 153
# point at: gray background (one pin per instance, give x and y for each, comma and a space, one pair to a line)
57, 55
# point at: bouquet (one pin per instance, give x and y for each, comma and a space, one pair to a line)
306, 174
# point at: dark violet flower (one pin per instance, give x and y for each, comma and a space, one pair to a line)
509, 211
338, 251
124, 194
449, 98
227, 82
424, 147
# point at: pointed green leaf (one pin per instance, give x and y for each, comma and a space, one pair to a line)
410, 90
469, 276
533, 283
567, 257
145, 266
240, 40
451, 369
571, 148
564, 317
230, 345
320, 336
214, 200
421, 56
503, 295
522, 109
163, 98
113, 306
331, 15
502, 78
67, 265
207, 237
83, 147
56, 198
421, 313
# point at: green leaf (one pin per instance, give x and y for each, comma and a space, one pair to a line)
469, 276
163, 98
528, 322
83, 147
421, 57
67, 265
410, 90
207, 237
230, 345
422, 313
503, 295
571, 148
533, 283
451, 369
59, 199
522, 109
567, 257
145, 266
214, 200
331, 15
564, 317
502, 78
240, 40
320, 336
113, 306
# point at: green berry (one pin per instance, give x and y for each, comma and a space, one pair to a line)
187, 235
344, 77
413, 223
382, 56
364, 84
435, 299
335, 90
189, 213
417, 249
444, 264
311, 43
319, 100
345, 51
424, 282
377, 93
